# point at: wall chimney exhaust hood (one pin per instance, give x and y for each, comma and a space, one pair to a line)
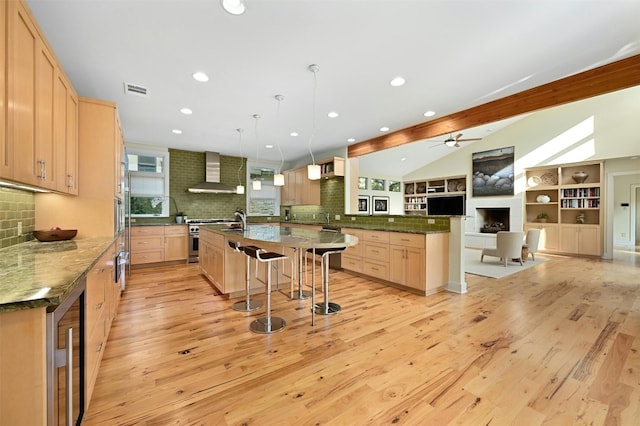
212, 184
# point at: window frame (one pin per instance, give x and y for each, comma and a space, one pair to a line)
164, 154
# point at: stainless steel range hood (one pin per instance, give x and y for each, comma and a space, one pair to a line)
212, 184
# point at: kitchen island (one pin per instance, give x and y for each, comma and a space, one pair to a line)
416, 261
226, 268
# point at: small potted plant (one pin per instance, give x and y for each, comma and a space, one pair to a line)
542, 217
179, 217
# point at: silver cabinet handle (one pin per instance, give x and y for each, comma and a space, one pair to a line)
70, 376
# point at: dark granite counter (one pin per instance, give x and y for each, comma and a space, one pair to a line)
35, 274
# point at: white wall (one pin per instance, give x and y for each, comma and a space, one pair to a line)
603, 127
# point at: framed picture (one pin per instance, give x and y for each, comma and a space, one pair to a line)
394, 186
377, 184
362, 182
363, 204
493, 172
380, 205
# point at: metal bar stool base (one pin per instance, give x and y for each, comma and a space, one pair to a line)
328, 309
242, 306
301, 295
262, 325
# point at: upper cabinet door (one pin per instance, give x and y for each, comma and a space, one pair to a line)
65, 122
21, 84
6, 154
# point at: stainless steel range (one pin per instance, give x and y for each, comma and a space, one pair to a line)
194, 234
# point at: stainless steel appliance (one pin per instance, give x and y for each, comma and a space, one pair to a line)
65, 360
194, 234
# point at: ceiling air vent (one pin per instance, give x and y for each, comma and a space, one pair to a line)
135, 89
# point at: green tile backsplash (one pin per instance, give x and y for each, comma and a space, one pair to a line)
16, 206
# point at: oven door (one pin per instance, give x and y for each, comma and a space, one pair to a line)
194, 242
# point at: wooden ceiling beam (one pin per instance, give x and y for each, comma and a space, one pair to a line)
598, 81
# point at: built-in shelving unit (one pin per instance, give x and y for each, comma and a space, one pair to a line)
331, 167
417, 192
565, 202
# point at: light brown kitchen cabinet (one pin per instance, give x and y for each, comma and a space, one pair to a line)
298, 189
176, 243
92, 211
147, 244
36, 124
407, 259
416, 261
100, 308
65, 125
6, 150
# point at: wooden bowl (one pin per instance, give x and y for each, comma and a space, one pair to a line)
55, 235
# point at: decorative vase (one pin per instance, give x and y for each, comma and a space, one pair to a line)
542, 219
579, 177
542, 198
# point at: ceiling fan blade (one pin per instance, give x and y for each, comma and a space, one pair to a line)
468, 139
458, 136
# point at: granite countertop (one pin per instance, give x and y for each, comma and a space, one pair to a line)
368, 227
35, 274
286, 235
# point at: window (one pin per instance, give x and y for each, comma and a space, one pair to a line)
263, 202
149, 174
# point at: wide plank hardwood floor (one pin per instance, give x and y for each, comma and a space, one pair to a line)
557, 344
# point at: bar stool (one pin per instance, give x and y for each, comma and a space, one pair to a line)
326, 307
246, 305
267, 324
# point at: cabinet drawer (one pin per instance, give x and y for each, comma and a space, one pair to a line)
146, 243
354, 250
352, 263
175, 230
376, 236
376, 251
149, 256
95, 343
143, 231
407, 240
375, 269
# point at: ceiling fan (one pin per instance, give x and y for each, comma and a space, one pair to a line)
455, 142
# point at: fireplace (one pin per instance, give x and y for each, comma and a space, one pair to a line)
493, 219
513, 206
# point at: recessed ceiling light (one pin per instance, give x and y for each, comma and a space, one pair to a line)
268, 146
429, 114
186, 111
333, 114
403, 159
294, 134
234, 7
351, 140
384, 129
200, 76
177, 131
397, 82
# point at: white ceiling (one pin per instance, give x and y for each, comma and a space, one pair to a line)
453, 54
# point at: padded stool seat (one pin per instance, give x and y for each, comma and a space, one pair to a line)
246, 305
268, 324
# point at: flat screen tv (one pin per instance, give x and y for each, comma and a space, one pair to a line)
453, 205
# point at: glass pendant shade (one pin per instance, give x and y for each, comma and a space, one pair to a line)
313, 171
256, 185
239, 189
278, 179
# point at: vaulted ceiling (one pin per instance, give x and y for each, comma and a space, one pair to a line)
453, 55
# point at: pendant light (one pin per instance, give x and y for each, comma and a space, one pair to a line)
313, 169
278, 178
257, 183
240, 187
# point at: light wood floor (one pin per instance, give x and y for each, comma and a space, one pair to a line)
557, 344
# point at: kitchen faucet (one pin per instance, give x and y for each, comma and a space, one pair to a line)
240, 214
327, 215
